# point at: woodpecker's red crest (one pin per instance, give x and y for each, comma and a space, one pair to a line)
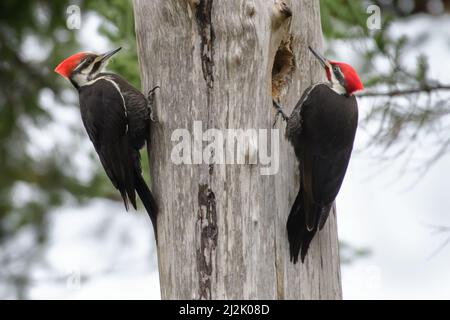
341, 75
352, 81
66, 67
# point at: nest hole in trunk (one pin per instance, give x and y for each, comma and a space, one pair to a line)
283, 68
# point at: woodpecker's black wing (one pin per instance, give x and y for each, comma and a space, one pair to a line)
138, 110
321, 129
105, 119
329, 126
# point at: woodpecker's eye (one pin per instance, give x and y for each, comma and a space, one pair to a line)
335, 68
89, 60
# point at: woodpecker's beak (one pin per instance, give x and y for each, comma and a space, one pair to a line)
323, 61
109, 54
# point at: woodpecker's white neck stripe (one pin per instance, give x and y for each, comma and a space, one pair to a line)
338, 88
106, 78
335, 85
308, 91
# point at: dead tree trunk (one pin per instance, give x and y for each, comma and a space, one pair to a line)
221, 229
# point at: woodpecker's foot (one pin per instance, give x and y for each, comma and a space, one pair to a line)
152, 92
151, 100
280, 112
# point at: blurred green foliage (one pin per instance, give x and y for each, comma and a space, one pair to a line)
118, 27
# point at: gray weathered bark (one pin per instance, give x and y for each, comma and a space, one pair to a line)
221, 229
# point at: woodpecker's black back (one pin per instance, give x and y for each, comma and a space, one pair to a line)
321, 129
116, 117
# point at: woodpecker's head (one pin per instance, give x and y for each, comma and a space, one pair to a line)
83, 67
342, 76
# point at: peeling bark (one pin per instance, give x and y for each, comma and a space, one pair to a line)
222, 228
208, 232
206, 31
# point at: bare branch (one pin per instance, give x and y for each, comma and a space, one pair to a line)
394, 93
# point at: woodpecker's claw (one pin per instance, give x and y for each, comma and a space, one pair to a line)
280, 111
153, 116
151, 99
152, 91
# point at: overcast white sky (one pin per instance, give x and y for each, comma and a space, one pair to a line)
376, 210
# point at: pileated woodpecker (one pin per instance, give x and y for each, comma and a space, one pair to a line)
116, 117
321, 129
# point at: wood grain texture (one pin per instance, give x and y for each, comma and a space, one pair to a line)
222, 228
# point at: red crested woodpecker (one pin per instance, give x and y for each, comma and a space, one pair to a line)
321, 129
117, 118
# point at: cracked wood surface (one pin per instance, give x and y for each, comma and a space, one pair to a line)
221, 228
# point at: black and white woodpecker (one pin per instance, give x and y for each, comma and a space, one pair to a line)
321, 129
117, 118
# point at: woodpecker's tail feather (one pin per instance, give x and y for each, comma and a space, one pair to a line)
295, 227
325, 212
119, 166
298, 234
307, 238
124, 196
147, 199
